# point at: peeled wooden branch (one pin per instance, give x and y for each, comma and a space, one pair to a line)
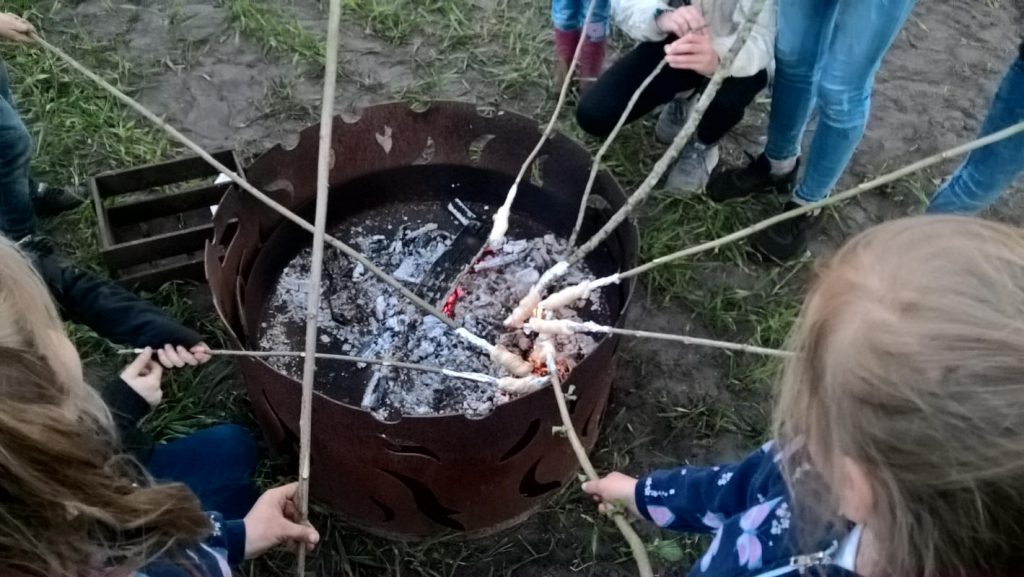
834, 199
316, 269
596, 166
468, 376
567, 327
636, 545
500, 228
244, 185
666, 160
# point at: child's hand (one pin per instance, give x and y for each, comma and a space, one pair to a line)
143, 376
271, 523
172, 357
615, 488
693, 51
681, 21
16, 28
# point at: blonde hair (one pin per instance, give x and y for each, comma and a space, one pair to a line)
69, 505
910, 361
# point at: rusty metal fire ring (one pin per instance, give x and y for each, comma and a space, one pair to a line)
420, 476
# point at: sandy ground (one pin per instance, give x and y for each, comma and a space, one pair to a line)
224, 90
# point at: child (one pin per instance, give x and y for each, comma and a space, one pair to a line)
20, 197
826, 55
567, 17
692, 38
988, 171
901, 439
71, 506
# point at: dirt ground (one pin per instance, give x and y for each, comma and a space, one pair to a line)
225, 88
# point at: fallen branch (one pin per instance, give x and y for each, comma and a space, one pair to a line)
596, 166
323, 173
567, 327
636, 545
500, 228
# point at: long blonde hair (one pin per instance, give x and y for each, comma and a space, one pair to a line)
68, 504
910, 361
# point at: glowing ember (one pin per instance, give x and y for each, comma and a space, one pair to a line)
449, 304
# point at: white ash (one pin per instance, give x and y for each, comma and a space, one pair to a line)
361, 315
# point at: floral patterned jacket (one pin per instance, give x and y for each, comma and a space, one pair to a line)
746, 507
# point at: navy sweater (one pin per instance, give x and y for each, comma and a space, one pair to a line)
746, 507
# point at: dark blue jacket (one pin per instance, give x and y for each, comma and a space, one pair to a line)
746, 507
223, 548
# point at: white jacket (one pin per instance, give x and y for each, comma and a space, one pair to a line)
724, 17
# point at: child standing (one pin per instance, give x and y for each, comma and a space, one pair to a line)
901, 444
72, 506
568, 17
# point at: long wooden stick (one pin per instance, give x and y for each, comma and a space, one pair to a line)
666, 160
468, 376
837, 198
501, 217
243, 184
569, 327
316, 268
636, 545
596, 166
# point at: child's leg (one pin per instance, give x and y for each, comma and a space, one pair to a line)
805, 27
592, 58
567, 15
864, 31
729, 106
217, 464
988, 171
600, 108
17, 218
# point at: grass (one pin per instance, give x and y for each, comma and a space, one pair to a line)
501, 52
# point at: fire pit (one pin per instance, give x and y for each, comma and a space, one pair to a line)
464, 461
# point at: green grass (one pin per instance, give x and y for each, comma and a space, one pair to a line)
277, 30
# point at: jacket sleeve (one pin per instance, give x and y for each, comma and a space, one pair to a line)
224, 547
127, 409
113, 312
636, 18
696, 499
759, 51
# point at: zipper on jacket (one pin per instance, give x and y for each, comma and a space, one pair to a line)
801, 563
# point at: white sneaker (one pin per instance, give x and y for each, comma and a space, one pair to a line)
672, 119
693, 169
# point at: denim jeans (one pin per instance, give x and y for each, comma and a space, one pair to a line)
17, 219
827, 53
570, 14
988, 171
217, 464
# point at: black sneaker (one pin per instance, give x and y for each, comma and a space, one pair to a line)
788, 239
51, 200
754, 178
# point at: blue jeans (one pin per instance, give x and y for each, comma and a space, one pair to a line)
988, 171
17, 219
569, 15
827, 52
217, 464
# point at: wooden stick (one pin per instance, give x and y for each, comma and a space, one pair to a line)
497, 236
636, 545
596, 166
859, 189
244, 185
323, 173
476, 377
569, 327
666, 160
